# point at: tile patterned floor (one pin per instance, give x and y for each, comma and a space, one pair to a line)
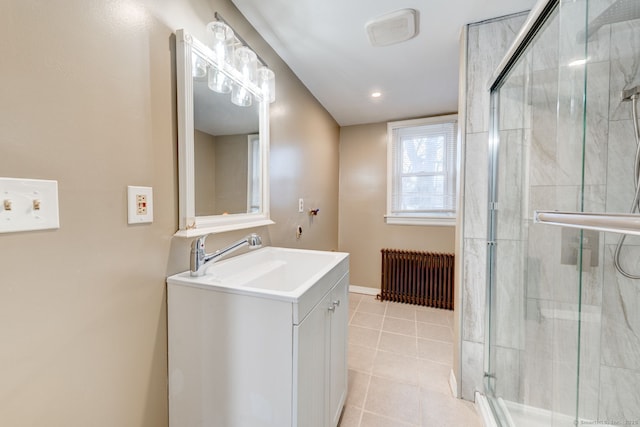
400, 358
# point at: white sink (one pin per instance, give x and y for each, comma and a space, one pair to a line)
260, 340
296, 275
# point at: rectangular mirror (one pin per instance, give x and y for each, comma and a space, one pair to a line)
223, 148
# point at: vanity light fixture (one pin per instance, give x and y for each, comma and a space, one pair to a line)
221, 41
231, 52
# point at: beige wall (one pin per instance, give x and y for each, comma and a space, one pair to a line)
363, 189
304, 164
232, 161
88, 99
204, 149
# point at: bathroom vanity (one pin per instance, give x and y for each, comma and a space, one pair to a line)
260, 340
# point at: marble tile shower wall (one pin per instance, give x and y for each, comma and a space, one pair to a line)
487, 43
609, 321
537, 321
619, 375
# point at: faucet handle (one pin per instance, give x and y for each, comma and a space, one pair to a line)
198, 244
198, 255
254, 241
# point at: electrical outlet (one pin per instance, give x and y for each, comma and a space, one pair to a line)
300, 205
140, 204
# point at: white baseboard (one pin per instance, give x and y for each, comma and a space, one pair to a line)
453, 384
364, 290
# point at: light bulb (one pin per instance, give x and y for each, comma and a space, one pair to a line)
241, 96
199, 70
220, 40
267, 82
246, 62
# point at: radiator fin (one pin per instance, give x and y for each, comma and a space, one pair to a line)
416, 277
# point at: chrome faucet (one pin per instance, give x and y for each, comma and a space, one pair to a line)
199, 258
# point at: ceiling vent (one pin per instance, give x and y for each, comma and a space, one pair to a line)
392, 28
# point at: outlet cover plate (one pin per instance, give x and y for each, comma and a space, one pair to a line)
139, 200
28, 204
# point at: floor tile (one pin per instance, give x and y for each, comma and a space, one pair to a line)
354, 301
367, 320
372, 306
442, 411
450, 317
393, 399
434, 376
396, 343
350, 417
396, 367
438, 351
434, 332
373, 420
401, 311
364, 337
400, 359
360, 358
399, 326
357, 388
433, 315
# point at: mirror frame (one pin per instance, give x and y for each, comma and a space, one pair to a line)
191, 225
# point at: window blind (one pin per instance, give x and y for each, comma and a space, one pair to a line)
424, 170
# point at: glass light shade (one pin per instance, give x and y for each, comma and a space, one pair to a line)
199, 70
267, 82
218, 81
220, 39
246, 62
241, 96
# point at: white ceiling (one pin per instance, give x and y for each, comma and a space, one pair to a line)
325, 44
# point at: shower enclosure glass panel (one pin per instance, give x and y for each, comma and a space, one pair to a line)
563, 344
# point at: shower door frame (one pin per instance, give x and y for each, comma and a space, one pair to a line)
537, 17
606, 222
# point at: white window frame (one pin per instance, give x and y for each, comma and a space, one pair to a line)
415, 218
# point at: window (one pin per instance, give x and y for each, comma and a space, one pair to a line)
421, 171
254, 193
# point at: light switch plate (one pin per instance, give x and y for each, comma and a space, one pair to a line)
140, 204
28, 204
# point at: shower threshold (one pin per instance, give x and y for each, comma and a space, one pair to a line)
520, 415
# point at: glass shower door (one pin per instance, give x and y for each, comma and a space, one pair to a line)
537, 273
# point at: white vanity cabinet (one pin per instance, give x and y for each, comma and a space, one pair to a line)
320, 343
240, 356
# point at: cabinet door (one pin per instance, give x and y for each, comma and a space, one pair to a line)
310, 374
338, 344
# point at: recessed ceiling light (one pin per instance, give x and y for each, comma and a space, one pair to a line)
376, 94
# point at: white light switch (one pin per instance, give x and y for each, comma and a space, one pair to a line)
140, 204
28, 204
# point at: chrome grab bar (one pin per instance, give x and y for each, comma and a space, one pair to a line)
622, 223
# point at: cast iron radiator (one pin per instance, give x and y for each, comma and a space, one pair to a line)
414, 277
